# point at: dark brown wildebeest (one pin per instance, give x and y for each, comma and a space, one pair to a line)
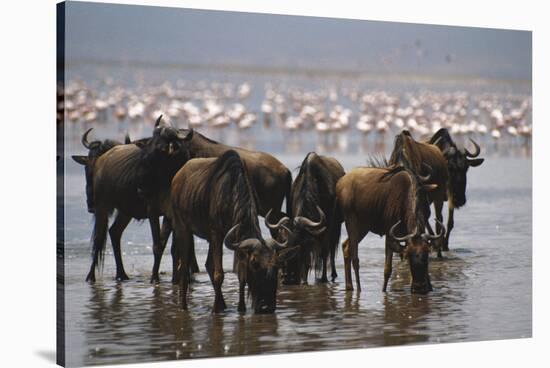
313, 195
214, 199
420, 155
387, 201
270, 178
458, 162
95, 149
449, 166
135, 181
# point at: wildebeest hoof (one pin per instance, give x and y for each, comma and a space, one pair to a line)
90, 278
155, 279
218, 309
122, 277
241, 308
322, 280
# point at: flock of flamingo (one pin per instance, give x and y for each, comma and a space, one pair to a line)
222, 105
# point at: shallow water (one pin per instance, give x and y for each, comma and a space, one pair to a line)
482, 288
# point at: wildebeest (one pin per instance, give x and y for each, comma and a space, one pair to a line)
387, 201
270, 178
214, 199
419, 156
449, 167
313, 195
135, 181
95, 149
458, 162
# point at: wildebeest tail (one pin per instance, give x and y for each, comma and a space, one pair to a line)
99, 238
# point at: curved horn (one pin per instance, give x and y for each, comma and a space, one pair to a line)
402, 238
187, 136
85, 142
436, 236
249, 243
424, 179
275, 245
227, 239
477, 151
243, 245
157, 123
305, 222
283, 220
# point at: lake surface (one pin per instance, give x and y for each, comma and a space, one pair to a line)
482, 286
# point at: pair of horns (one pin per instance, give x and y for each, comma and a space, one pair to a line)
298, 221
414, 233
450, 150
252, 243
186, 137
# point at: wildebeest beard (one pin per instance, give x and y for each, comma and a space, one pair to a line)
458, 162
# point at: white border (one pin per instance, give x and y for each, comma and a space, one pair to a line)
28, 180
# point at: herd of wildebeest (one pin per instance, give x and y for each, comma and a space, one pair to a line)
216, 192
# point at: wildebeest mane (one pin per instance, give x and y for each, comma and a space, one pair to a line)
315, 186
228, 181
378, 161
441, 137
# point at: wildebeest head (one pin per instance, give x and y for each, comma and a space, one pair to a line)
305, 232
459, 160
163, 155
417, 241
168, 141
263, 259
416, 250
95, 150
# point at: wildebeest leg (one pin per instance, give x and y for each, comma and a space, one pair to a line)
180, 241
215, 271
450, 225
355, 262
387, 262
438, 205
324, 258
157, 242
242, 283
334, 239
165, 231
347, 264
351, 254
193, 266
99, 238
115, 232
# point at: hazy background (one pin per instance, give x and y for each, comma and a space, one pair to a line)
120, 34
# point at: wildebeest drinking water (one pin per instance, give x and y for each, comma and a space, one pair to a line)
134, 181
314, 195
386, 201
213, 198
419, 156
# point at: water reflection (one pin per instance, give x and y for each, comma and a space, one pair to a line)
136, 321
